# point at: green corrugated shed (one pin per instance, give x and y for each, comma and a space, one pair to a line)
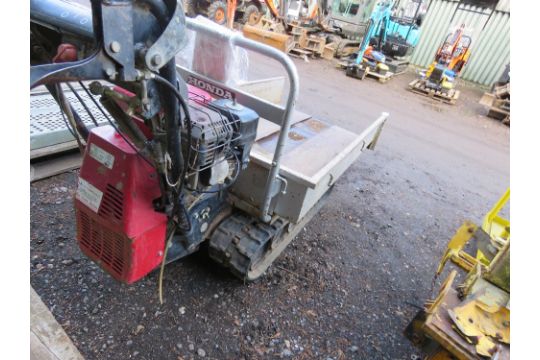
488, 28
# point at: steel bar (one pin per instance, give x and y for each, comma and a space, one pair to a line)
239, 40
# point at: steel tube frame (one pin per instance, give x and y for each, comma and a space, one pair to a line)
294, 87
63, 17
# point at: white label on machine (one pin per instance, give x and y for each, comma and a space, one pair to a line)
102, 156
89, 195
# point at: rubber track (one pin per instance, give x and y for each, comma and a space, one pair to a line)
239, 241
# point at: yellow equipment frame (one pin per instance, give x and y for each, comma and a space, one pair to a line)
497, 227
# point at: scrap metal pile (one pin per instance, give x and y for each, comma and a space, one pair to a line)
317, 29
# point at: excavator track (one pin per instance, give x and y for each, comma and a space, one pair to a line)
247, 246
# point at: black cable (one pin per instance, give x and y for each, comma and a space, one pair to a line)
184, 106
186, 217
165, 82
62, 101
68, 126
82, 103
94, 100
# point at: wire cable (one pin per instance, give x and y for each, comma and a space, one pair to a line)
164, 81
65, 108
68, 126
162, 268
184, 106
96, 103
180, 180
82, 103
188, 119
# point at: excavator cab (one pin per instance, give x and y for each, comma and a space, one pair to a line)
350, 17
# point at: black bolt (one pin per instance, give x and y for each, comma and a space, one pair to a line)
156, 60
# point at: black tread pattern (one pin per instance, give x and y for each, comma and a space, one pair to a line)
241, 240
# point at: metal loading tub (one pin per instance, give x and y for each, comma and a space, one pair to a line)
294, 162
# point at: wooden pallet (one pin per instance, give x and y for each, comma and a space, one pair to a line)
380, 77
440, 327
374, 75
417, 86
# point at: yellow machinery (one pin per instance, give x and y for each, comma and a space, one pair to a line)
491, 237
471, 320
224, 12
439, 79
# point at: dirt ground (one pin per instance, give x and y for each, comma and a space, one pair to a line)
348, 284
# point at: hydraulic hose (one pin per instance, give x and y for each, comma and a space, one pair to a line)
170, 105
183, 217
185, 108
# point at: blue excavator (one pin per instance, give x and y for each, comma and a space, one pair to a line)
391, 35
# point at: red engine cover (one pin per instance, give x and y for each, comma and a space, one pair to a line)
117, 225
